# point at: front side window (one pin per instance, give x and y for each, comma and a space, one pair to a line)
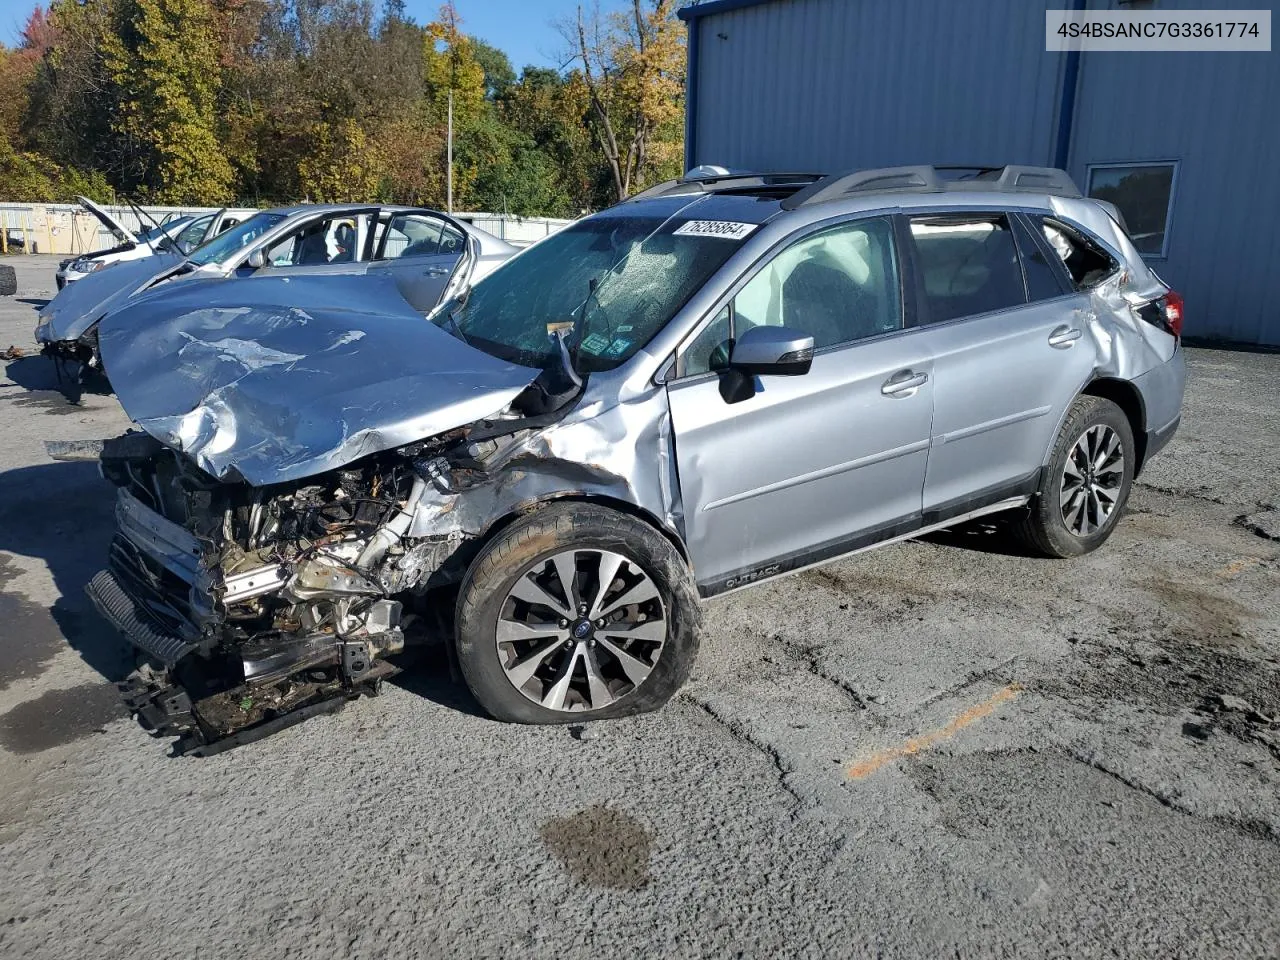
1144, 195
228, 244
968, 265
191, 235
839, 286
318, 242
612, 281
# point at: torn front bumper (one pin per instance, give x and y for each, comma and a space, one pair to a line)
157, 593
135, 623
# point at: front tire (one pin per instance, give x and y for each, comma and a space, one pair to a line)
574, 613
1086, 484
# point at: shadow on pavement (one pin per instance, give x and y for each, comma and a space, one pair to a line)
62, 514
427, 674
39, 375
984, 535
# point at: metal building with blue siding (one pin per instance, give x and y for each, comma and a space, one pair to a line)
1186, 144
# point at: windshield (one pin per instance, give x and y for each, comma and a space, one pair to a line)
615, 281
227, 244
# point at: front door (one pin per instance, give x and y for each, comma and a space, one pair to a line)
812, 466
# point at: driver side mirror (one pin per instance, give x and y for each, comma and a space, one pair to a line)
775, 351
257, 259
764, 351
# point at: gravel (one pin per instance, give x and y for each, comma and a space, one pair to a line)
939, 748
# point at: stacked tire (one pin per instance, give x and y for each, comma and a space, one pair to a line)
8, 281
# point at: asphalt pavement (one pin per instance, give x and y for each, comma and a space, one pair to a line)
941, 748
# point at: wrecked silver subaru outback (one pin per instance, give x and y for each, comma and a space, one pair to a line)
716, 383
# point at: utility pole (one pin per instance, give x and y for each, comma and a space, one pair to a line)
453, 71
449, 152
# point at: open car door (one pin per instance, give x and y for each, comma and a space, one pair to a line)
428, 254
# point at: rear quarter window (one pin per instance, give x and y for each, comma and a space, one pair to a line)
1085, 261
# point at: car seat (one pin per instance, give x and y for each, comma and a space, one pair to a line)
345, 237
822, 301
313, 249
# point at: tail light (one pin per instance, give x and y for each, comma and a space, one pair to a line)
1165, 313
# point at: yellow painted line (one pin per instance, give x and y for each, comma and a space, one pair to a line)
927, 741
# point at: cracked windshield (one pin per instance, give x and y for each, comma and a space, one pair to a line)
611, 282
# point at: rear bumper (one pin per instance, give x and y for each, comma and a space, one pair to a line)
1162, 389
1157, 440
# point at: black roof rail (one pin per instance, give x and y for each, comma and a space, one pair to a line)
939, 179
727, 182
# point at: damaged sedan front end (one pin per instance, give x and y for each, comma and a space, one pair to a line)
265, 552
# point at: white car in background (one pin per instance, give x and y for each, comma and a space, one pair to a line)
429, 256
179, 235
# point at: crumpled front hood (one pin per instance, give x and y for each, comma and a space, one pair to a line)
279, 379
79, 305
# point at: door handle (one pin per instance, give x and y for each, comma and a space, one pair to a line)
436, 272
1064, 337
903, 383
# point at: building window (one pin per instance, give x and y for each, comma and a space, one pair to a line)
1144, 194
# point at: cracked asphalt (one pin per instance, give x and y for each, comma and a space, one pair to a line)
939, 748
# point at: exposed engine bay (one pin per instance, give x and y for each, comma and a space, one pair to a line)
260, 606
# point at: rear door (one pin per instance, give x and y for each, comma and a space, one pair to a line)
812, 466
1010, 352
421, 250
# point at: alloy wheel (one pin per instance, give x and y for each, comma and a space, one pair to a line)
1091, 480
581, 630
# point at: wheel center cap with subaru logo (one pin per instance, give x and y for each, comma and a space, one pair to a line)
583, 629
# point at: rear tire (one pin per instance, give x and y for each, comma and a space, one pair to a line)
1086, 484
8, 281
533, 651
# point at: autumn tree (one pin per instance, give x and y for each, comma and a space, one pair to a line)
207, 101
632, 64
25, 170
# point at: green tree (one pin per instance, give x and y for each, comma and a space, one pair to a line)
499, 76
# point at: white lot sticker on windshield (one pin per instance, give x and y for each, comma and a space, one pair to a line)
714, 228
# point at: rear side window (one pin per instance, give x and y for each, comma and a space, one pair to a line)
1045, 280
967, 265
1086, 262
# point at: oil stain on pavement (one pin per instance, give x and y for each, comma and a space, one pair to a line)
60, 717
601, 847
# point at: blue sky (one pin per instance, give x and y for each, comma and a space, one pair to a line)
520, 27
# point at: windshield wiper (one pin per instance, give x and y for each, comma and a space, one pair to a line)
568, 360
